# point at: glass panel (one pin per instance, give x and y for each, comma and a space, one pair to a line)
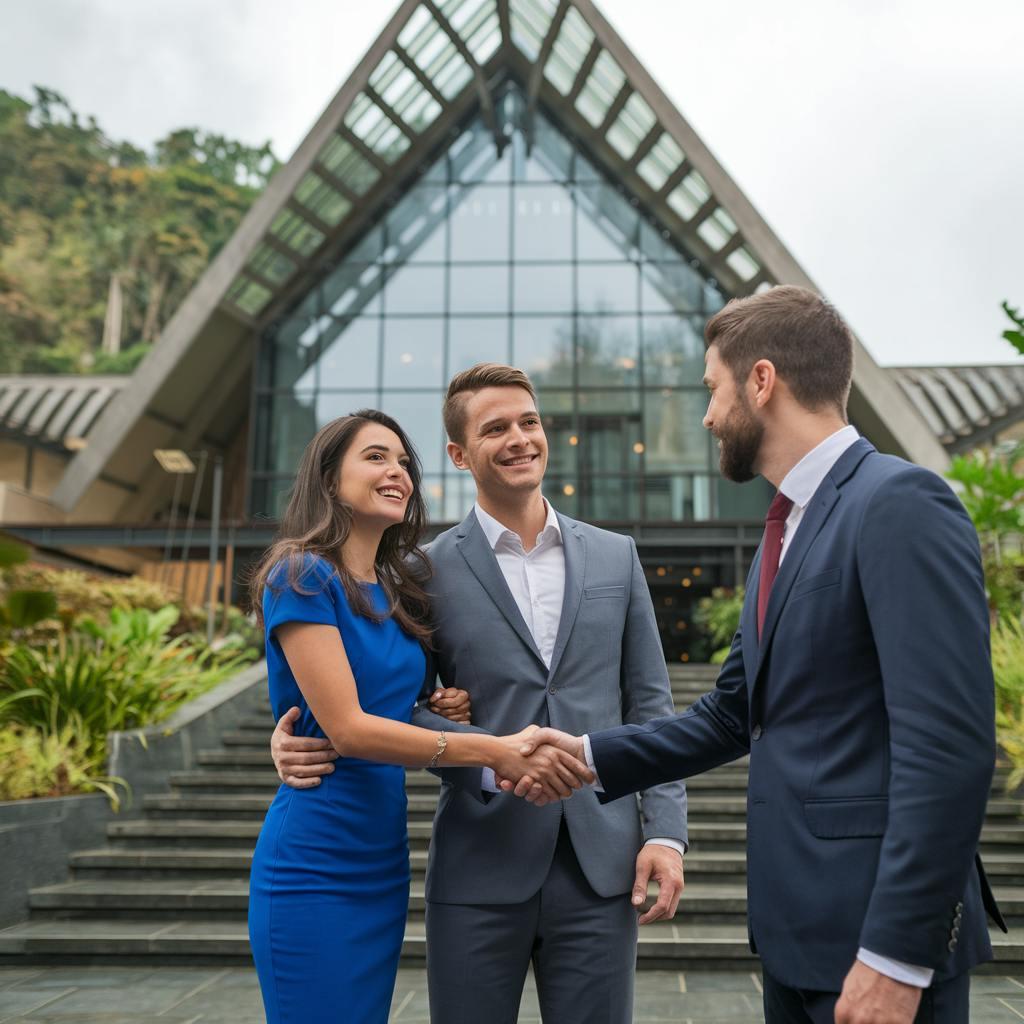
433, 492
459, 495
657, 245
673, 350
529, 24
347, 164
632, 126
249, 296
317, 196
369, 247
292, 349
543, 288
603, 85
419, 414
574, 40
674, 436
550, 159
542, 346
678, 497
479, 289
416, 226
292, 417
296, 233
689, 195
608, 351
271, 264
353, 288
717, 229
543, 223
670, 288
744, 501
350, 353
413, 352
415, 289
605, 403
743, 264
332, 404
607, 287
607, 224
480, 224
665, 156
612, 499
270, 497
563, 437
473, 340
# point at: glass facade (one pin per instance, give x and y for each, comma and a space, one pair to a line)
530, 257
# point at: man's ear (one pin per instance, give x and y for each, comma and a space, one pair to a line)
457, 455
762, 382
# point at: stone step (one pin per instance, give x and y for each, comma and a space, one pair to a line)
226, 943
253, 806
229, 899
723, 867
663, 945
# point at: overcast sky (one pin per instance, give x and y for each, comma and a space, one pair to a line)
883, 140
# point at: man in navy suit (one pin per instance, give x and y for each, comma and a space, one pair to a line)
859, 682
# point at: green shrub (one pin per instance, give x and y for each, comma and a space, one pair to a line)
1008, 669
125, 674
718, 616
37, 764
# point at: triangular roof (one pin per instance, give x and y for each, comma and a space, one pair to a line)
434, 64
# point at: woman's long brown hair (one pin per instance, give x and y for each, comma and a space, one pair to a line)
317, 522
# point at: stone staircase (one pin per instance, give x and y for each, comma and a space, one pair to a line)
171, 886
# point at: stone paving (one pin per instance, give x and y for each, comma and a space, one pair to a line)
144, 995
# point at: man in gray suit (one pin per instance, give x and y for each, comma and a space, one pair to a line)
545, 621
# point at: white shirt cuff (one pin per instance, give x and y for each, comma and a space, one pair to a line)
588, 754
672, 844
909, 974
487, 783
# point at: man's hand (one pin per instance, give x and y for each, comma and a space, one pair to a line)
300, 760
451, 703
527, 786
665, 866
869, 997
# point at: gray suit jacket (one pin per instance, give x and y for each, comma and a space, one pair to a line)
607, 669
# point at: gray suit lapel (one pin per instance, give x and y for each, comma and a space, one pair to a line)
473, 546
575, 550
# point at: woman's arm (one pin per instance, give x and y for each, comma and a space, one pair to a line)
317, 658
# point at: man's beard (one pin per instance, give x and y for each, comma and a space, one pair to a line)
740, 439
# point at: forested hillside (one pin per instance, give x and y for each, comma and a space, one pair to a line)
79, 210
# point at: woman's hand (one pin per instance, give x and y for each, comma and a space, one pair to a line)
558, 773
452, 704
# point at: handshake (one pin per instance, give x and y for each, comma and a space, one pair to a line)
541, 765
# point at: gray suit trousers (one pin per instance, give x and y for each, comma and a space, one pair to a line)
582, 946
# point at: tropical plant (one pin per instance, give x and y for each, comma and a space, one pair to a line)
718, 616
38, 764
1008, 669
20, 607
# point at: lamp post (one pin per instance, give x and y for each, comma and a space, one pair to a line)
173, 460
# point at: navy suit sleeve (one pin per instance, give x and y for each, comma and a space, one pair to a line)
924, 593
712, 731
465, 778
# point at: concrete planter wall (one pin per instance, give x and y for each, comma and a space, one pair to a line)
38, 836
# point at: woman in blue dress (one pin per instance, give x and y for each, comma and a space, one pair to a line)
347, 627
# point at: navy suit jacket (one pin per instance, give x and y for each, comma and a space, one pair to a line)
867, 709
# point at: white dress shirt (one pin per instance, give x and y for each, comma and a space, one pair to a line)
799, 485
536, 579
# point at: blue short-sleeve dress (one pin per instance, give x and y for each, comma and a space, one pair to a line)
329, 888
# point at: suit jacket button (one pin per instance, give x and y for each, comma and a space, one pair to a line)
955, 933
756, 733
551, 690
952, 945
959, 907
957, 920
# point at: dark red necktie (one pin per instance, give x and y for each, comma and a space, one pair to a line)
771, 552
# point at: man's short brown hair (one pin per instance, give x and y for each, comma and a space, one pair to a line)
799, 332
469, 382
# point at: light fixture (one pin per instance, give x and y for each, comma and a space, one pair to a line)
687, 581
661, 570
569, 490
697, 570
174, 460
75, 444
574, 440
639, 447
406, 358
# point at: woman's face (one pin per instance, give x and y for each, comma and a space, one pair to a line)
374, 477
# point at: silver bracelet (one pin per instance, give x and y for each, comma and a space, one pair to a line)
442, 743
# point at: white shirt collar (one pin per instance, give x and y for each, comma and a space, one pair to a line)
806, 476
495, 531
